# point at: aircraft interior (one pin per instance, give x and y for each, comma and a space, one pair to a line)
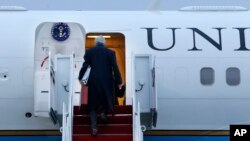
115, 42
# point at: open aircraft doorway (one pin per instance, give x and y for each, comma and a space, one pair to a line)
115, 42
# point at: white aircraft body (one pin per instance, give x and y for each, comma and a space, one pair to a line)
201, 61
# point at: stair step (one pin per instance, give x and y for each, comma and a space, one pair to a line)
104, 129
103, 137
116, 119
126, 109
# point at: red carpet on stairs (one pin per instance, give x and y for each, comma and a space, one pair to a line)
119, 127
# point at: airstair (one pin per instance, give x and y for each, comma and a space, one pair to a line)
119, 125
57, 94
128, 122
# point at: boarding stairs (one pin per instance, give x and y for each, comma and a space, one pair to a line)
119, 125
124, 125
128, 122
57, 90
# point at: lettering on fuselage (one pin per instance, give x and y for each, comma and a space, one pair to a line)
194, 32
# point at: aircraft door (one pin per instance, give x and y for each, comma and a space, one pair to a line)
58, 57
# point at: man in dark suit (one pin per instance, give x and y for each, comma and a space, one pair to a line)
104, 70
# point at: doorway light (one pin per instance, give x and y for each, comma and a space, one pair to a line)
94, 36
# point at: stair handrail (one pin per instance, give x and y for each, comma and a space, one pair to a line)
63, 129
71, 106
137, 129
68, 111
67, 122
139, 134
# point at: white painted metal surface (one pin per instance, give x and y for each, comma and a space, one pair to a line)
183, 102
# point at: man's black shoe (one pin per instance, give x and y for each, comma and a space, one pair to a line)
94, 131
103, 118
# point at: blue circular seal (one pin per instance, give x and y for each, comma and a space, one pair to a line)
60, 31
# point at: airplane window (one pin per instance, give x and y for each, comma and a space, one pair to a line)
207, 76
233, 76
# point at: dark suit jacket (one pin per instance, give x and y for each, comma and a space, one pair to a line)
104, 70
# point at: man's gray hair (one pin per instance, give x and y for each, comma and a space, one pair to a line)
100, 40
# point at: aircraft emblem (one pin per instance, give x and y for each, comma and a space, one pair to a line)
60, 31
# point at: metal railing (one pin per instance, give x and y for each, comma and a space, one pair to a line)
137, 129
63, 129
67, 123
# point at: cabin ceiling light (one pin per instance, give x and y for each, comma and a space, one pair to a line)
94, 36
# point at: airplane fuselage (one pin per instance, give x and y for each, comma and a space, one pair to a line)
195, 53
